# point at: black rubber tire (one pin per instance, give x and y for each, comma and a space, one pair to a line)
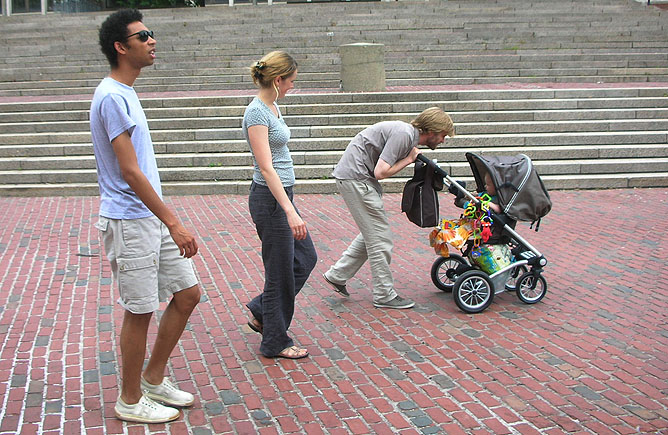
439, 271
473, 291
531, 288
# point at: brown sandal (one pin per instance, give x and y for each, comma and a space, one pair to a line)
292, 352
255, 325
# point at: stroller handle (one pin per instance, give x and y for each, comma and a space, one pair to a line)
440, 171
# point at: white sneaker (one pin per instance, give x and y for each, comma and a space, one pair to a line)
167, 393
145, 411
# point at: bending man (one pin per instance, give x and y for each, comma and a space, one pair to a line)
376, 153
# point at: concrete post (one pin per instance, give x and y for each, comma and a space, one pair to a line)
6, 7
362, 67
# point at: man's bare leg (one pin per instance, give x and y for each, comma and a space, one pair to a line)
133, 351
171, 327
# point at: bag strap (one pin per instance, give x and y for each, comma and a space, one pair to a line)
429, 174
537, 222
434, 180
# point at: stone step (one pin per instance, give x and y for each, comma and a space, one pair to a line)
241, 42
506, 28
583, 139
350, 130
323, 171
21, 82
176, 65
331, 157
329, 61
13, 79
32, 124
445, 78
568, 97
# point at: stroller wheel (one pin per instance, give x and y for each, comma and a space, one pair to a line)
473, 291
444, 271
531, 288
511, 284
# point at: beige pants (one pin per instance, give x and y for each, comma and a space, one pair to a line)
374, 242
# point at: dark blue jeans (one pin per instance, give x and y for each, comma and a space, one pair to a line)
287, 265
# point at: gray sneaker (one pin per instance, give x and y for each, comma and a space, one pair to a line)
397, 302
339, 288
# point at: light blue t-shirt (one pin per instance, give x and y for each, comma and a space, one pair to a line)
258, 113
115, 109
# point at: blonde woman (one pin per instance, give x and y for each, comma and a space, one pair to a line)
288, 253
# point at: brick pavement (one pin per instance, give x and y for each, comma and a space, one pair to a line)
592, 357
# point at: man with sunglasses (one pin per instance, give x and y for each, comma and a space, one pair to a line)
146, 244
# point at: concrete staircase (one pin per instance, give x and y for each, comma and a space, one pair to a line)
578, 138
582, 90
426, 43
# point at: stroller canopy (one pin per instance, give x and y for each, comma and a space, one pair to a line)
520, 191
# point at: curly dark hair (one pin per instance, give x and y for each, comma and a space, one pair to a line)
115, 28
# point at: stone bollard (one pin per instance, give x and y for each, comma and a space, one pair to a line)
362, 67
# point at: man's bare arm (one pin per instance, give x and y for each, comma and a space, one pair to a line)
127, 160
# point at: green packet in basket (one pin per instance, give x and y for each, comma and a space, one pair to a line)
491, 258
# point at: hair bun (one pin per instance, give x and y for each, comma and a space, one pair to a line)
257, 69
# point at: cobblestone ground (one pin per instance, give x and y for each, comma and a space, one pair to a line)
592, 357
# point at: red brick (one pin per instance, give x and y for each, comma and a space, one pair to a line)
397, 420
453, 429
465, 419
525, 429
328, 419
506, 414
356, 426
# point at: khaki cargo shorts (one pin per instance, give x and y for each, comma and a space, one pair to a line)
145, 261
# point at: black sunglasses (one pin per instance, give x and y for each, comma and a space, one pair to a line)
143, 35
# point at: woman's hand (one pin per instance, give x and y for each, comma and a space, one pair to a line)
297, 225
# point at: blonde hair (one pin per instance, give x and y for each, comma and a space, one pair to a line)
272, 65
434, 120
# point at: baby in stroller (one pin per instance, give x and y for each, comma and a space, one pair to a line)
494, 257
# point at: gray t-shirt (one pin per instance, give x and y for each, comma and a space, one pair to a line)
258, 113
115, 109
387, 140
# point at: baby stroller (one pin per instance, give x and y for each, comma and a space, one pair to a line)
521, 196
